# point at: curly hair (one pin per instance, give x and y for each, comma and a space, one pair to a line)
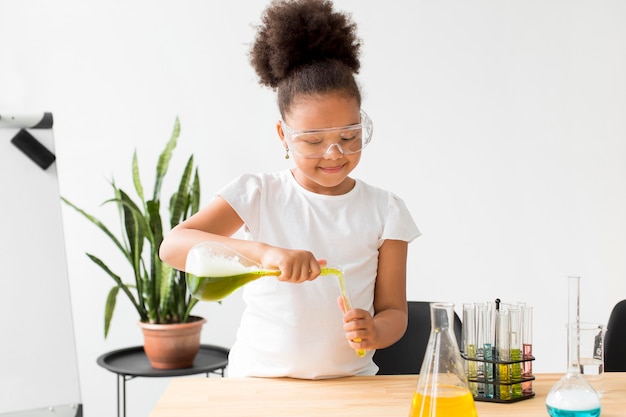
304, 47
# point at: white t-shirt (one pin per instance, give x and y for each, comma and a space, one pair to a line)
296, 330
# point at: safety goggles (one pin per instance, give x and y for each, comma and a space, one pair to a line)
318, 143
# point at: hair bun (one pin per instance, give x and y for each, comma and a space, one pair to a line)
296, 33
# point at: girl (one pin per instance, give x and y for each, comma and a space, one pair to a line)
314, 214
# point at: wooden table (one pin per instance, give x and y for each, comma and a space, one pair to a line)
379, 396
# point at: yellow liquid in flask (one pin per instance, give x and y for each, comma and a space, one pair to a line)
449, 401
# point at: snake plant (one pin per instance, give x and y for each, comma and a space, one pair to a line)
157, 291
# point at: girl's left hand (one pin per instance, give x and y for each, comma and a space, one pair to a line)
358, 327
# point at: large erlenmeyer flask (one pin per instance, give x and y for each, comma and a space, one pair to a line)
442, 388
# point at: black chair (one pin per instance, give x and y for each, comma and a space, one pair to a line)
406, 355
615, 340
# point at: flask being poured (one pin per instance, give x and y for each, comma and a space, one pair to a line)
215, 270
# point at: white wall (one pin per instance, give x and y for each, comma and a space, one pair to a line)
501, 124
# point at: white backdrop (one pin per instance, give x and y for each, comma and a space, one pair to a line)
38, 351
500, 123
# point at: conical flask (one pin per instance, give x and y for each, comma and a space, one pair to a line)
215, 270
572, 395
442, 388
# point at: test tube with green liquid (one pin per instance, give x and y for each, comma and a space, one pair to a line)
345, 295
515, 349
504, 353
469, 344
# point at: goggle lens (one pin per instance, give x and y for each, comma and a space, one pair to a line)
319, 143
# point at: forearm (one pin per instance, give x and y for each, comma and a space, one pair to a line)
216, 222
179, 241
390, 325
380, 331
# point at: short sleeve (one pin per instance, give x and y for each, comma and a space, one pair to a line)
243, 194
399, 224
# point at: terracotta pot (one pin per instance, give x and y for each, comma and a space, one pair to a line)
172, 346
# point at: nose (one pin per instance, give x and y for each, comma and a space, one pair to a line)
329, 152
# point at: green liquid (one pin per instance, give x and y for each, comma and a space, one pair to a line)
516, 372
505, 377
471, 369
217, 288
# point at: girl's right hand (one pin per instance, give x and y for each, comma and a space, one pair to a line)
296, 266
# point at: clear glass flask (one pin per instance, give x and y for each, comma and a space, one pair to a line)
215, 270
572, 396
442, 389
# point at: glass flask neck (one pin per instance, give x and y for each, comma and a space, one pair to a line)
441, 315
442, 360
573, 320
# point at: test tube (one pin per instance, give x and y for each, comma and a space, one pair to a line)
484, 353
503, 350
515, 349
469, 344
527, 348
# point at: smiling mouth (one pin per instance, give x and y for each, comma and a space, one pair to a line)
332, 169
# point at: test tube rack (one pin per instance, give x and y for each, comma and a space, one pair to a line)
496, 388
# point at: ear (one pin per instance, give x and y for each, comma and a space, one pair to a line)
279, 129
281, 133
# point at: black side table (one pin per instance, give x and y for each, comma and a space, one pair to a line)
132, 362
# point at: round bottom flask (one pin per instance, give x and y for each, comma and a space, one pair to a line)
572, 396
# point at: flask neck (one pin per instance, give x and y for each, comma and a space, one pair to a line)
441, 315
573, 321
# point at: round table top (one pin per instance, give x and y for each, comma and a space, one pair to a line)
133, 361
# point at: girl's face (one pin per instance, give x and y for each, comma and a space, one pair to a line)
327, 174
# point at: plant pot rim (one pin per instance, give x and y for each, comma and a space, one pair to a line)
192, 322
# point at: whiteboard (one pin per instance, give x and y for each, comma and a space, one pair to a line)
38, 364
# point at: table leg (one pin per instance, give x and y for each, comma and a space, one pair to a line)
120, 383
121, 389
121, 394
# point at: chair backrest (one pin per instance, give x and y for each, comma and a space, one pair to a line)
407, 354
615, 340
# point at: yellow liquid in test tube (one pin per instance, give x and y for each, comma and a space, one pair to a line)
346, 301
